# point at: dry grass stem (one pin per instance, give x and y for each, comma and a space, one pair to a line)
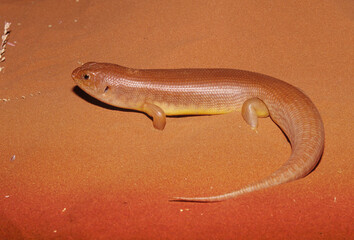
4, 39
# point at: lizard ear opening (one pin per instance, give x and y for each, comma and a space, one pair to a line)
106, 89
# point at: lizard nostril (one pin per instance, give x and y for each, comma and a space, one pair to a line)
106, 89
86, 76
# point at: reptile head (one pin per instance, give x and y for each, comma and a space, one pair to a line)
104, 81
90, 78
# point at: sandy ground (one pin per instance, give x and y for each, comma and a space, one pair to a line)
83, 170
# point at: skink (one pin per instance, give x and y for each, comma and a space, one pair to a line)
165, 92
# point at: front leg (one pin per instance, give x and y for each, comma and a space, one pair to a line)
157, 114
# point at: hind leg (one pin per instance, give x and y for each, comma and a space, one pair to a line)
252, 109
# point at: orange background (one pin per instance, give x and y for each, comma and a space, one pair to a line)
86, 171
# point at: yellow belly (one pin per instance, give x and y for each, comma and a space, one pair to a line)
171, 109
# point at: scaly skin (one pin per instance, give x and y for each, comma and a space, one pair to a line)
214, 91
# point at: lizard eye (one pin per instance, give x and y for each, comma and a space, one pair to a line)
86, 76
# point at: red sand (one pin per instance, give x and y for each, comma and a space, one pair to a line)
85, 171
